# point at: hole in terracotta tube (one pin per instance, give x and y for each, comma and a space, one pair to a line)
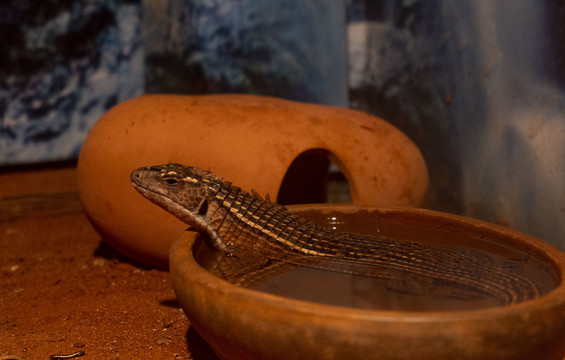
313, 178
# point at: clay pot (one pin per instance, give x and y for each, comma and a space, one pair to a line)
242, 323
249, 140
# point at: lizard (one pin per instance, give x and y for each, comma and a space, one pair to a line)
231, 218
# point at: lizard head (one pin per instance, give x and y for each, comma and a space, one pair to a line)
179, 189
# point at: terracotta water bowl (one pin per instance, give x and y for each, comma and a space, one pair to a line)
244, 323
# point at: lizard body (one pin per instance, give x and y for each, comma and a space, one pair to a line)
230, 217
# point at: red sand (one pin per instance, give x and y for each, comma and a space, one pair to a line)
63, 290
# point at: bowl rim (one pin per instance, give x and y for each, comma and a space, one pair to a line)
181, 255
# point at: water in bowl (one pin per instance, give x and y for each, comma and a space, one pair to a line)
339, 283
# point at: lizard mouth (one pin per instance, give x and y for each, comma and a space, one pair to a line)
166, 203
194, 221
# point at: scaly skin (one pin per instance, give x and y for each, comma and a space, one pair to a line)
231, 218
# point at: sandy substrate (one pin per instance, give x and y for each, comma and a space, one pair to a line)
63, 290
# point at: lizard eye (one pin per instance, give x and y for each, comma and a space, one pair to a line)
171, 182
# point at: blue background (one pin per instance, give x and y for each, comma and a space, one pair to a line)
478, 85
